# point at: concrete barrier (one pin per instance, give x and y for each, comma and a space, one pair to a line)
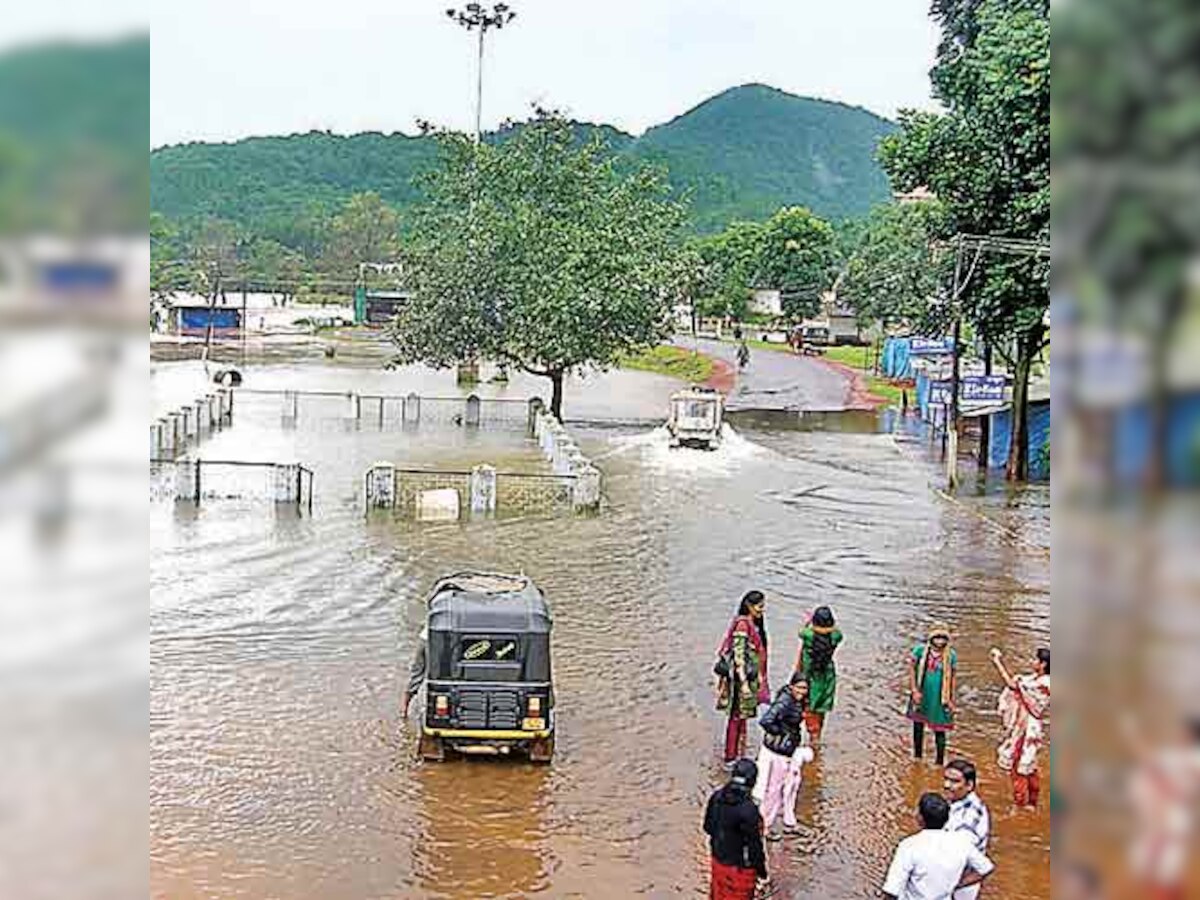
439, 505
483, 490
380, 486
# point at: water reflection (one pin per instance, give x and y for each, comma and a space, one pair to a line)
483, 829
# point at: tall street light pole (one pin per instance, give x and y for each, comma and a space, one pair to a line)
476, 17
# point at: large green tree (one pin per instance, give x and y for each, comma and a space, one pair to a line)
793, 252
897, 267
538, 253
796, 256
988, 159
367, 230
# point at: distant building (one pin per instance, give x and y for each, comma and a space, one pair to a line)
48, 279
766, 303
920, 194
197, 320
382, 306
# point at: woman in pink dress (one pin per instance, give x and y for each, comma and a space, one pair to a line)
1025, 712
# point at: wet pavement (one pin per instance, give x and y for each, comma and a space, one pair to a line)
779, 380
282, 768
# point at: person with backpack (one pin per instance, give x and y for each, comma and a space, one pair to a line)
734, 828
784, 752
741, 670
819, 638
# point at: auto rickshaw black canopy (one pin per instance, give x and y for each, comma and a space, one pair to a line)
469, 606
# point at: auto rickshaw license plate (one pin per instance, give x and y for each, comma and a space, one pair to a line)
534, 725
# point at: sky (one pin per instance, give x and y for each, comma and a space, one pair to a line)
226, 69
34, 21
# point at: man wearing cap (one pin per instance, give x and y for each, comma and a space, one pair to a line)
735, 828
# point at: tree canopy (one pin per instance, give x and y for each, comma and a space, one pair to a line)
793, 252
988, 160
899, 266
539, 253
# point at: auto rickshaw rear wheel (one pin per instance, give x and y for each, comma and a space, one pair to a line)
541, 750
431, 748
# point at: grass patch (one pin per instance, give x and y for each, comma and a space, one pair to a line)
860, 358
674, 362
855, 357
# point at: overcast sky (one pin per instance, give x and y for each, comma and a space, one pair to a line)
35, 21
224, 69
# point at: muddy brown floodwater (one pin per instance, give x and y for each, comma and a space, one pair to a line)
282, 769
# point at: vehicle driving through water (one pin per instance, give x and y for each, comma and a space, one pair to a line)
488, 686
696, 418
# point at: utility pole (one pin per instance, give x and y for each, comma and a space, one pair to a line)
952, 417
476, 17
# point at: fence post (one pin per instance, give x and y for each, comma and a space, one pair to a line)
483, 489
155, 439
412, 409
535, 409
585, 496
379, 486
290, 409
200, 418
287, 482
187, 480
474, 411
214, 416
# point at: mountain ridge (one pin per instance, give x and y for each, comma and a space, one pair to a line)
740, 154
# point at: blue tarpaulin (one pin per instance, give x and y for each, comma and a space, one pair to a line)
1038, 422
1132, 435
896, 358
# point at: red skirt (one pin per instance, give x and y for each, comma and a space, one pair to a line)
732, 882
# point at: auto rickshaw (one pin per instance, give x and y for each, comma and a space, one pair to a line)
488, 686
696, 418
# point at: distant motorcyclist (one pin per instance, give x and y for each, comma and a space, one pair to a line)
743, 355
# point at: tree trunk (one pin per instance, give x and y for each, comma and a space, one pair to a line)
556, 398
1018, 447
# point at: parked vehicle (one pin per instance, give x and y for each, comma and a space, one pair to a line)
488, 687
696, 418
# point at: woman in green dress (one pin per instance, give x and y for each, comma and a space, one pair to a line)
932, 672
819, 638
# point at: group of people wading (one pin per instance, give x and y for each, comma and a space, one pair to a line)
946, 857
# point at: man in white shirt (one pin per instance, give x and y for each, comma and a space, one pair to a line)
968, 814
933, 863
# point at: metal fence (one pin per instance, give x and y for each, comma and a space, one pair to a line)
397, 410
480, 491
198, 480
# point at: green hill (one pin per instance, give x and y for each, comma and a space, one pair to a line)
752, 149
741, 154
74, 132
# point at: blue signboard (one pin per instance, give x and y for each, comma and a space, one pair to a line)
939, 393
983, 389
200, 318
921, 346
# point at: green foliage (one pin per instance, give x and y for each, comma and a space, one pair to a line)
537, 252
988, 160
793, 252
797, 257
366, 230
899, 266
740, 155
74, 128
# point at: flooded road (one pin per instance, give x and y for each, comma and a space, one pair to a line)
281, 767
